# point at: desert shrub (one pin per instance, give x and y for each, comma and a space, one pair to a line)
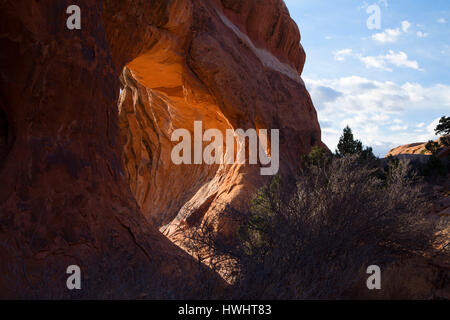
412, 171
445, 141
317, 156
434, 169
432, 146
316, 239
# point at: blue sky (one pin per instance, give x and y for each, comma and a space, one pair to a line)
391, 85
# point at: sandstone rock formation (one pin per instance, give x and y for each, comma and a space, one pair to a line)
412, 148
419, 149
230, 64
65, 197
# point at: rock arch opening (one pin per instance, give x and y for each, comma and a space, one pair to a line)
209, 62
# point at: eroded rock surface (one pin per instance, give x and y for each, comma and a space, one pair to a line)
64, 196
230, 64
86, 176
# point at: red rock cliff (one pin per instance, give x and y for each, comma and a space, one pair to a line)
65, 196
230, 64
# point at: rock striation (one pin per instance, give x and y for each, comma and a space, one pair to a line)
85, 123
230, 64
64, 197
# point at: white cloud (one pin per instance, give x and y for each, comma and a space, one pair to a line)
405, 26
383, 62
375, 62
400, 59
392, 35
430, 129
399, 128
387, 36
442, 20
381, 114
420, 125
421, 34
341, 54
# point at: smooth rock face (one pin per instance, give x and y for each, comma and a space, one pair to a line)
412, 148
230, 64
419, 149
70, 147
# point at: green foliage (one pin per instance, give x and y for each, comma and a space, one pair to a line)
314, 238
445, 141
267, 200
268, 194
338, 217
317, 156
367, 154
349, 146
443, 127
434, 168
432, 146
